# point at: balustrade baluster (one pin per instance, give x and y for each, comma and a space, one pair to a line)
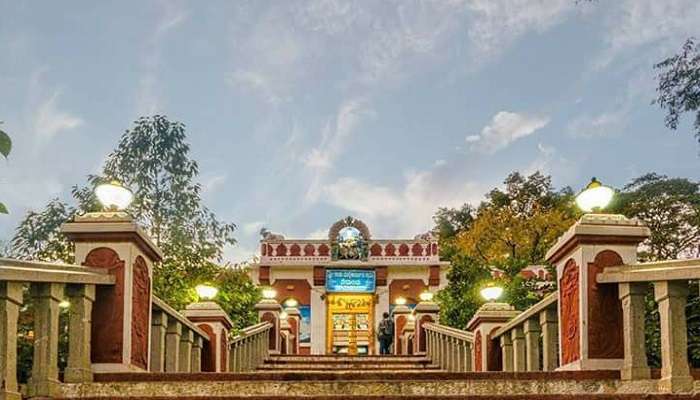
196, 359
550, 338
532, 344
675, 372
172, 345
507, 352
10, 302
185, 350
159, 325
78, 368
633, 309
44, 381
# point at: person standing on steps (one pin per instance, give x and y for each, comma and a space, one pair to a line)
385, 334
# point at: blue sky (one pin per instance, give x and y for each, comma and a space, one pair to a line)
300, 113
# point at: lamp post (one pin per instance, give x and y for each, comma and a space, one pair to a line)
206, 292
595, 197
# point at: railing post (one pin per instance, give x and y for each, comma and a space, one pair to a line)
532, 344
675, 373
159, 324
426, 311
468, 357
10, 302
172, 345
461, 355
633, 308
197, 354
507, 352
233, 358
269, 310
44, 380
548, 324
519, 358
81, 298
400, 315
212, 319
487, 319
185, 355
121, 324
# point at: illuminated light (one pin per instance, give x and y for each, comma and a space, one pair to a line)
400, 301
594, 197
114, 196
269, 293
426, 296
411, 317
491, 292
206, 292
291, 302
64, 304
284, 315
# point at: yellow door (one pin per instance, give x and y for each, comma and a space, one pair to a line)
350, 324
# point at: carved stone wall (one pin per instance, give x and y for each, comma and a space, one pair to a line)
108, 308
478, 356
141, 313
605, 332
569, 304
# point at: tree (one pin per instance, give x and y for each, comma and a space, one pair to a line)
679, 85
448, 223
520, 223
152, 159
670, 207
5, 148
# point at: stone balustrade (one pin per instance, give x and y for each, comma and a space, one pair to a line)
49, 285
176, 342
670, 288
449, 347
250, 347
519, 338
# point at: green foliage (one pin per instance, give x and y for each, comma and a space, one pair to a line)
679, 85
5, 148
238, 295
460, 299
38, 235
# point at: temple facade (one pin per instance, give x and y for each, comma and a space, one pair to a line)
340, 286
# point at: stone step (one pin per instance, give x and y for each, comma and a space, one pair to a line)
437, 397
340, 358
346, 367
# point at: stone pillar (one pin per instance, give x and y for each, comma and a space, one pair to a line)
675, 373
550, 339
488, 318
172, 345
213, 320
44, 381
121, 320
400, 315
81, 298
186, 340
269, 310
425, 311
197, 354
159, 324
633, 308
507, 352
10, 302
532, 344
590, 314
294, 321
519, 354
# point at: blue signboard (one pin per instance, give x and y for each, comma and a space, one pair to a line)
350, 280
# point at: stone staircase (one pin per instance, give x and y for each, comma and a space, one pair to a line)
365, 378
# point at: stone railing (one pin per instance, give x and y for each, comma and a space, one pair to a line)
449, 347
49, 285
250, 347
176, 342
519, 339
670, 287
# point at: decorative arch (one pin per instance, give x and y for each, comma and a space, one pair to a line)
493, 350
209, 349
309, 250
417, 250
348, 221
605, 331
569, 317
108, 308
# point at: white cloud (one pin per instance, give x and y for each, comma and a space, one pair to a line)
505, 127
439, 163
661, 24
407, 211
602, 124
212, 183
49, 120
320, 233
496, 24
252, 228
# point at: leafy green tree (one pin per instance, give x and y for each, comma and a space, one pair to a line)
671, 209
5, 148
679, 85
460, 299
152, 159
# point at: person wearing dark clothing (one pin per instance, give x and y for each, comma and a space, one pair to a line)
385, 334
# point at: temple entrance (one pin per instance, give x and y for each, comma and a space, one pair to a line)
350, 324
